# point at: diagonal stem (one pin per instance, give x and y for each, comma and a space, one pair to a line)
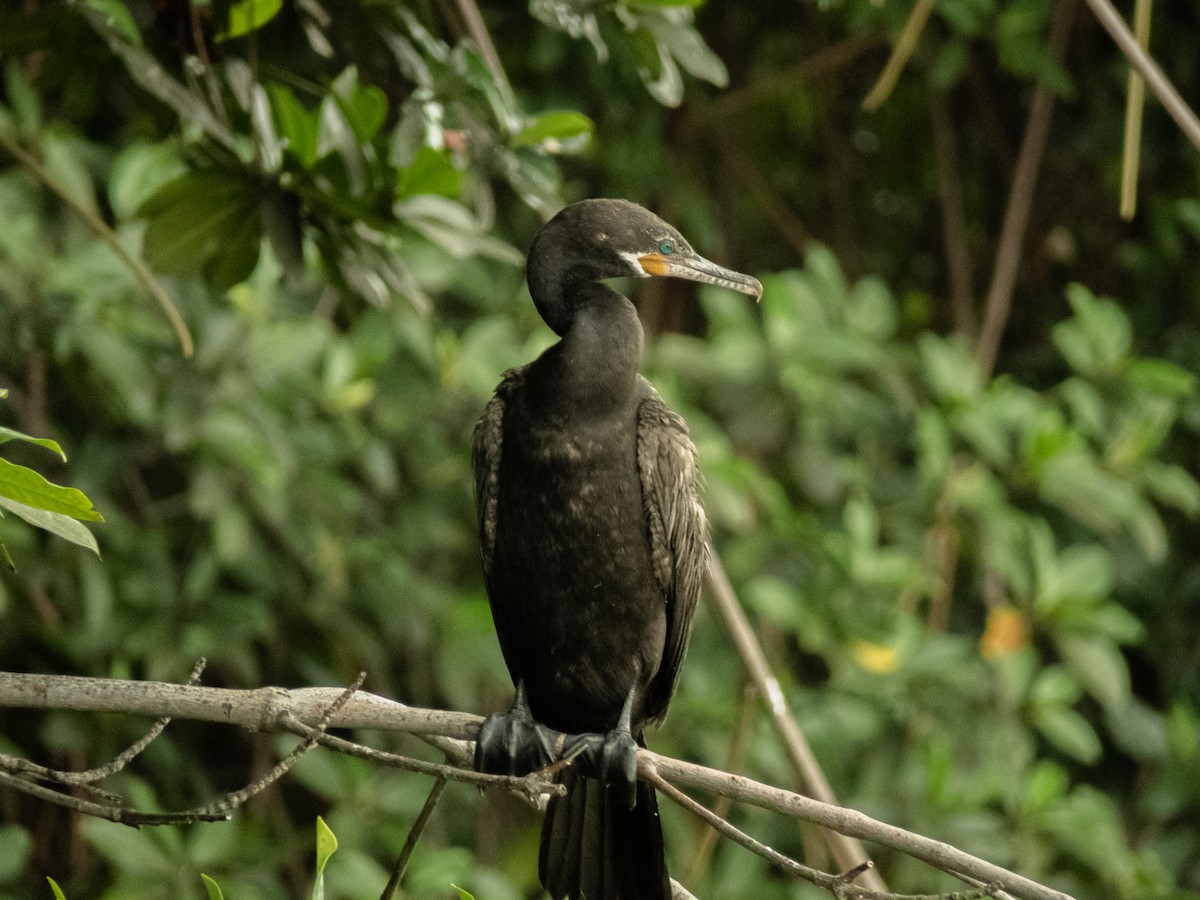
1158, 83
140, 270
847, 851
1020, 202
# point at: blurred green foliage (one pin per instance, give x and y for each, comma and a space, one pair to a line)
980, 593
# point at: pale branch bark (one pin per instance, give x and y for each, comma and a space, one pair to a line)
310, 709
1183, 114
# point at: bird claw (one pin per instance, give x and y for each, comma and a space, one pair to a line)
514, 743
610, 758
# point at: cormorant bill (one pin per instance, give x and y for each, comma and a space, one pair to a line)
593, 545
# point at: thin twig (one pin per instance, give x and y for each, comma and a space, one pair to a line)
742, 728
119, 814
846, 851
905, 44
410, 843
1183, 114
234, 799
1020, 201
840, 886
1135, 102
141, 272
954, 222
848, 822
824, 62
649, 774
529, 788
743, 169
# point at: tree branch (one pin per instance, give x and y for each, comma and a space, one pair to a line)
1183, 114
846, 850
310, 709
1020, 202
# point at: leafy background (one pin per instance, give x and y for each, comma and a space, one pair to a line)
979, 588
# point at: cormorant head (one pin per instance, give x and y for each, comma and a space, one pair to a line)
597, 239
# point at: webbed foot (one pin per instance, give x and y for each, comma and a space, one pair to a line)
514, 743
610, 758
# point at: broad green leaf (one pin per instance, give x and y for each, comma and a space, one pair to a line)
28, 487
326, 845
192, 219
1098, 665
1047, 785
58, 894
364, 105
138, 172
684, 43
249, 15
1172, 485
298, 125
1069, 732
1097, 338
553, 128
430, 172
56, 523
1137, 729
8, 434
214, 889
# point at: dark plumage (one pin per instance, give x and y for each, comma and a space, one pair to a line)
593, 543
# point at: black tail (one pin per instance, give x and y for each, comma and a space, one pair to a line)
595, 848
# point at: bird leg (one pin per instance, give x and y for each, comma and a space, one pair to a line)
610, 758
514, 743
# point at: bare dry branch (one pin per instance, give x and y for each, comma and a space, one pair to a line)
276, 709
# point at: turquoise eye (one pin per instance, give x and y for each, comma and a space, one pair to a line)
666, 248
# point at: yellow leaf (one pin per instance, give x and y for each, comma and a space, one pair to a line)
1007, 630
876, 658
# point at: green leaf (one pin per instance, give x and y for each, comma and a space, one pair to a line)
214, 889
1096, 340
430, 172
8, 434
326, 845
203, 220
363, 105
119, 17
1069, 732
58, 894
56, 523
298, 125
1098, 665
463, 894
554, 128
249, 15
28, 487
1172, 485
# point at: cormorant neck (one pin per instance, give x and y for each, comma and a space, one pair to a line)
597, 358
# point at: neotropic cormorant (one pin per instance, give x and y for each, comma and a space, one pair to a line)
593, 546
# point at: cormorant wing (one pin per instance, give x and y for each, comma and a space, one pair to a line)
675, 525
485, 457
